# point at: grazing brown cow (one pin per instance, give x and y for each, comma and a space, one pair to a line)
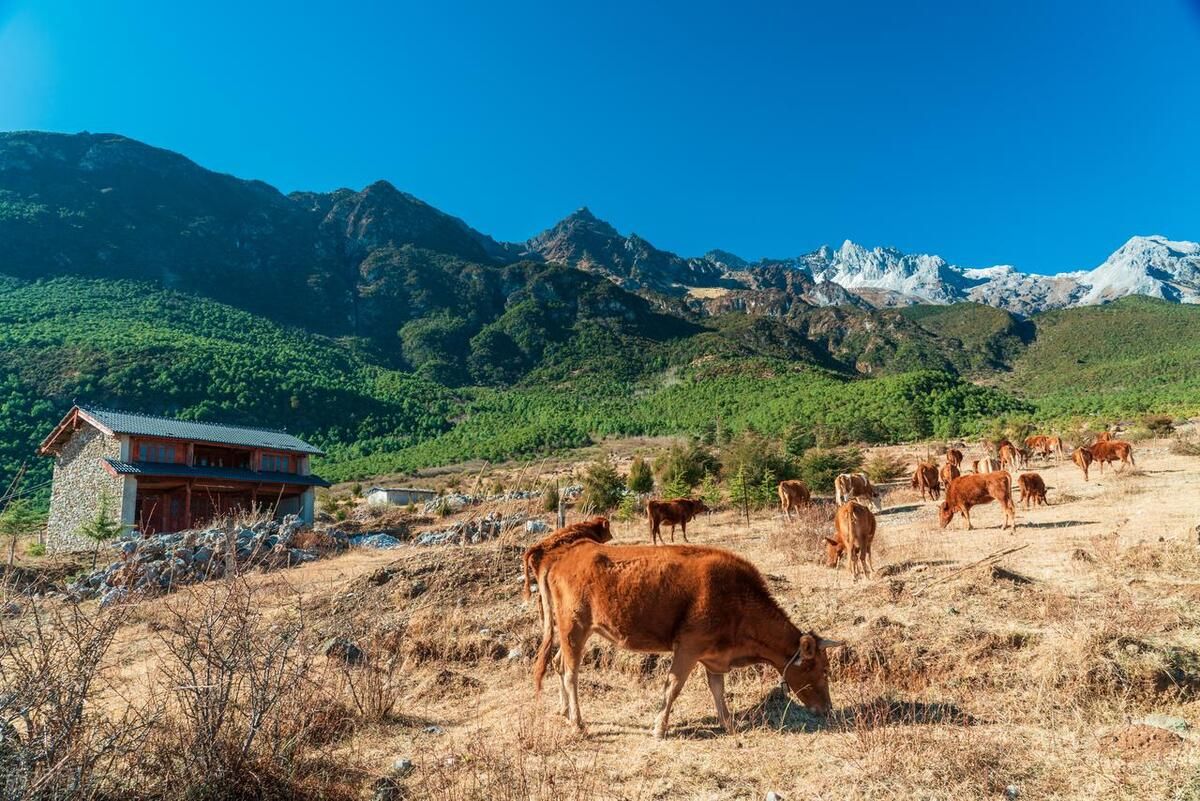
1032, 489
1056, 447
792, 495
1042, 445
950, 472
1082, 456
854, 530
595, 529
1112, 450
855, 485
676, 512
954, 457
925, 478
704, 605
968, 491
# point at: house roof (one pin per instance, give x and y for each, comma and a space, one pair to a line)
226, 473
403, 489
113, 421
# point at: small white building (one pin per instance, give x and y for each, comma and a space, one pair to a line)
398, 496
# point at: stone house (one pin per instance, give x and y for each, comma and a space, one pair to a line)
398, 496
158, 474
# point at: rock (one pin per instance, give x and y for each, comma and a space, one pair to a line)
774, 796
378, 541
1168, 722
417, 589
402, 767
343, 649
536, 527
434, 730
11, 609
1012, 791
113, 596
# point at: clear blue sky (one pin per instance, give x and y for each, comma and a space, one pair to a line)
1041, 134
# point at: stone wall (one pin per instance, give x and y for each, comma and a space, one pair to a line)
80, 482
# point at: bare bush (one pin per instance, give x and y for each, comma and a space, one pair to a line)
54, 743
802, 540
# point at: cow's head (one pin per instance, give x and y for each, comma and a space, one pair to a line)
698, 506
945, 514
601, 527
833, 551
807, 675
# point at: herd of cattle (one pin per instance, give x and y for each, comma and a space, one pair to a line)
711, 607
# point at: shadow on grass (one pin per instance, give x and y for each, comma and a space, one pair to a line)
1059, 524
895, 510
781, 712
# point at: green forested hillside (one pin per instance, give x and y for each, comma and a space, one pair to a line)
1134, 355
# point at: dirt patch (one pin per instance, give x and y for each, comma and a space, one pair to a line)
1139, 741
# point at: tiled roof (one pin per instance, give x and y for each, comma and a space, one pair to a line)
227, 473
145, 425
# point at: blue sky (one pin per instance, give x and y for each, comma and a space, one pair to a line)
1041, 134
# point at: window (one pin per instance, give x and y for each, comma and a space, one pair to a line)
276, 463
155, 452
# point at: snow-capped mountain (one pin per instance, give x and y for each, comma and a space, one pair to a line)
1146, 265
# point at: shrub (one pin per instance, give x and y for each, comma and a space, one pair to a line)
1186, 445
882, 468
602, 487
1161, 425
550, 498
685, 462
798, 438
630, 508
710, 492
820, 466
757, 456
641, 478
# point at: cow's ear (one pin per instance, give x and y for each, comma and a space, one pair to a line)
831, 540
808, 646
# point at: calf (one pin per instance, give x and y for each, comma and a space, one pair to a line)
954, 457
855, 485
703, 605
986, 465
1082, 456
595, 529
1032, 489
1111, 450
854, 530
950, 472
674, 513
968, 491
925, 478
792, 495
1010, 458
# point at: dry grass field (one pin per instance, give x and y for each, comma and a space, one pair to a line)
1028, 675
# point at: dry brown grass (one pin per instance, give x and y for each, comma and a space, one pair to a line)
956, 682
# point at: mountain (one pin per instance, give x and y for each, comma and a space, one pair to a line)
584, 241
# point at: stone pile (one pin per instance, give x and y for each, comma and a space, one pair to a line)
488, 527
457, 501
159, 563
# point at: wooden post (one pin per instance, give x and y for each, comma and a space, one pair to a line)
187, 500
745, 499
562, 508
191, 454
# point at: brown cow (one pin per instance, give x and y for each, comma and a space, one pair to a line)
676, 512
854, 530
1010, 458
950, 472
1056, 447
1032, 489
986, 465
704, 605
968, 491
1112, 450
1082, 456
595, 529
925, 478
792, 495
855, 485
954, 457
1103, 436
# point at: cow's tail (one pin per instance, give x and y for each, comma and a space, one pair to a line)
547, 644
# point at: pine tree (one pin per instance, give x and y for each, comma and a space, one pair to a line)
101, 528
18, 519
641, 478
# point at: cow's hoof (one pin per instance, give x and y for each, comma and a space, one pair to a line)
659, 733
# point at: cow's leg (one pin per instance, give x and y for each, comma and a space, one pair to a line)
716, 685
573, 636
681, 667
563, 702
966, 513
683, 530
870, 566
654, 532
